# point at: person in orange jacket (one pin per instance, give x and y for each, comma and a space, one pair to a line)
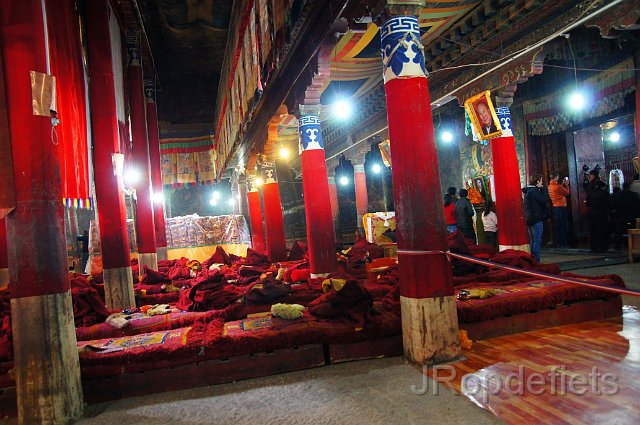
558, 192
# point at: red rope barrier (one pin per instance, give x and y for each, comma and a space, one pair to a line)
616, 289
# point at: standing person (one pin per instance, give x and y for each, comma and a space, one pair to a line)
536, 197
558, 194
450, 210
598, 201
625, 208
464, 215
490, 224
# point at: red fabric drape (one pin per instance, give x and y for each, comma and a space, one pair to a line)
65, 52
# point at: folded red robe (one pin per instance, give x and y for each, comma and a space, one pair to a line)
88, 307
207, 293
266, 291
6, 333
298, 251
220, 256
179, 272
524, 260
152, 277
254, 258
350, 305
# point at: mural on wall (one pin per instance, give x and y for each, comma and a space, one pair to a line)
475, 157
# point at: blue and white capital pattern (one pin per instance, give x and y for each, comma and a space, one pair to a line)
504, 116
402, 54
310, 133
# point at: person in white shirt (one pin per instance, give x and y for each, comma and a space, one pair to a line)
490, 223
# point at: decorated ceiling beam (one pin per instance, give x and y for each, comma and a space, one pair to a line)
241, 122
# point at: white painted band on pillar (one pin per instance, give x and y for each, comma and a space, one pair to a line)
149, 259
162, 253
118, 288
319, 275
4, 279
525, 247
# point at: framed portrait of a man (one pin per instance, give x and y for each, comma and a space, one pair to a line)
483, 116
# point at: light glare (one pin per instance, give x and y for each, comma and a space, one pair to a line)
614, 137
284, 153
344, 180
446, 136
158, 197
213, 202
342, 109
577, 101
376, 168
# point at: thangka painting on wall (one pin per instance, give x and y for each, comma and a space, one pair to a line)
483, 116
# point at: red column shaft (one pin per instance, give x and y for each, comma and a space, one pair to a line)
35, 240
274, 223
256, 223
317, 207
156, 175
4, 260
110, 201
333, 198
145, 227
362, 201
509, 207
416, 190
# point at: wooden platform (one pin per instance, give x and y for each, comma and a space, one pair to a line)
498, 372
565, 314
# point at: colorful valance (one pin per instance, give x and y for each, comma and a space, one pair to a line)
607, 89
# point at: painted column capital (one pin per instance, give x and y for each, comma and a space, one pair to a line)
402, 50
310, 133
358, 168
504, 116
133, 48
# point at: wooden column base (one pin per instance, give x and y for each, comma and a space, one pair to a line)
47, 368
149, 259
4, 278
430, 329
525, 247
118, 288
162, 253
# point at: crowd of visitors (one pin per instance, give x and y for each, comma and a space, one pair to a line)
609, 215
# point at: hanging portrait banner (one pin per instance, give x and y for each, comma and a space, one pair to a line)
483, 116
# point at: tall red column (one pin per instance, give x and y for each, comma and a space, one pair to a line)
274, 222
362, 199
108, 161
47, 369
335, 210
317, 199
145, 226
255, 214
429, 318
156, 171
4, 259
513, 232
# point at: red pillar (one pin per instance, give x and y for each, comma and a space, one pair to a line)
429, 318
156, 172
47, 369
513, 232
4, 259
106, 154
255, 214
317, 199
274, 222
362, 200
145, 226
335, 210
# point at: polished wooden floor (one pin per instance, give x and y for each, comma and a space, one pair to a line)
587, 373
